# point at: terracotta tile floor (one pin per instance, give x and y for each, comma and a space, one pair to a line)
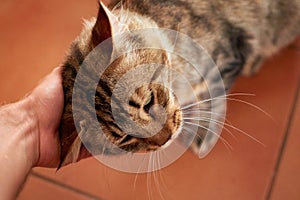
34, 37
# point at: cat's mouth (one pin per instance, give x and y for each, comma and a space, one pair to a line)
160, 140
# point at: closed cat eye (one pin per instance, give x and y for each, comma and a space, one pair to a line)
149, 99
149, 103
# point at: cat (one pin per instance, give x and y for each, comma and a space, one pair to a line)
237, 35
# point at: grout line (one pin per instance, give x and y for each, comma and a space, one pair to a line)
67, 187
283, 144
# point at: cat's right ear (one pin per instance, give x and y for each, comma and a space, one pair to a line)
103, 26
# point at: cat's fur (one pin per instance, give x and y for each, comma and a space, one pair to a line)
238, 35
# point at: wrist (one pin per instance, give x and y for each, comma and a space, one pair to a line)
18, 146
19, 131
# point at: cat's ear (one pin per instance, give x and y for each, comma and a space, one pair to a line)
103, 27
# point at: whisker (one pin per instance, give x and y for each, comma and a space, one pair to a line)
239, 94
218, 135
155, 176
136, 175
160, 173
215, 98
148, 179
226, 144
195, 104
199, 111
225, 97
222, 116
106, 177
219, 123
231, 126
252, 105
207, 108
246, 134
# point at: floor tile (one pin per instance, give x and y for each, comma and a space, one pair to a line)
242, 173
287, 182
37, 35
36, 188
88, 175
47, 29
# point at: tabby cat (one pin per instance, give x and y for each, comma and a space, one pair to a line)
238, 36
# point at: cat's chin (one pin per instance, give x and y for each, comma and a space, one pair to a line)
147, 148
171, 140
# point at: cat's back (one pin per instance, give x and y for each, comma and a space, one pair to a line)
270, 22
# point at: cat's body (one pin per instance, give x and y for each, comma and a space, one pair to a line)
231, 31
238, 35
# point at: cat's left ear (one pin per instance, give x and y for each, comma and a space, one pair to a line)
104, 25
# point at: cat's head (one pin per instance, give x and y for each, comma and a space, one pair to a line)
155, 119
135, 110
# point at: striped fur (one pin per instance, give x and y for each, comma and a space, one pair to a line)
238, 35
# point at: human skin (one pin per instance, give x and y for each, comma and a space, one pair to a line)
29, 134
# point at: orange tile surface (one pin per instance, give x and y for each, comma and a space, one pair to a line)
37, 35
288, 176
36, 188
242, 173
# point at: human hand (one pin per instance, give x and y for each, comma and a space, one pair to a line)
47, 102
29, 134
